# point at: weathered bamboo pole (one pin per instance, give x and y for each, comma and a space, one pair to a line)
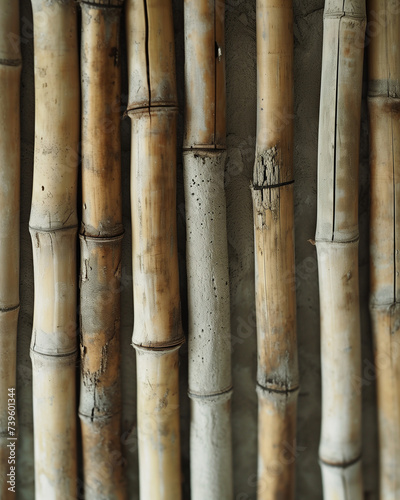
384, 107
157, 331
210, 384
53, 226
10, 72
337, 247
101, 245
272, 190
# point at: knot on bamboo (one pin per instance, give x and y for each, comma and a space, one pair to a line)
267, 181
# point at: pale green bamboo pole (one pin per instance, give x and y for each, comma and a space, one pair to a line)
272, 190
53, 226
210, 384
383, 104
157, 333
10, 72
337, 248
101, 245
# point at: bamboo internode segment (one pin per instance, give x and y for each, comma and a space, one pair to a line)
205, 123
384, 106
53, 227
157, 331
101, 240
272, 190
337, 247
210, 383
10, 72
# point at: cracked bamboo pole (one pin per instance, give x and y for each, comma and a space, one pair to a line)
337, 247
383, 104
157, 331
272, 191
10, 72
210, 384
101, 245
53, 227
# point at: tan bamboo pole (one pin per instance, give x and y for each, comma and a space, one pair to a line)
210, 384
10, 72
53, 226
101, 245
383, 104
272, 190
157, 331
337, 247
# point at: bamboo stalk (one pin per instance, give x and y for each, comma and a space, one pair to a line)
10, 72
383, 104
157, 331
272, 190
337, 247
210, 384
53, 228
101, 245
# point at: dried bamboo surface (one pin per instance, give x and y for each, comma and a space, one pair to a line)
210, 384
337, 247
53, 226
157, 331
10, 71
101, 241
383, 104
272, 190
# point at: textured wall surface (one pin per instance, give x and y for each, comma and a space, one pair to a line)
241, 123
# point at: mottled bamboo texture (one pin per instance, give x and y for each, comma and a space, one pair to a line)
53, 226
10, 71
337, 248
100, 243
384, 114
210, 384
157, 331
272, 190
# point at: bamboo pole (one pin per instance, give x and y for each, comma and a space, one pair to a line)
337, 248
10, 72
383, 104
157, 331
210, 384
53, 228
272, 191
101, 245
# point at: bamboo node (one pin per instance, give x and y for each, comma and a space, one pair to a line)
217, 397
341, 465
159, 348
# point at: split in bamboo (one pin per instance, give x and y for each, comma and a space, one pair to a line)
337, 248
384, 114
53, 227
10, 72
101, 244
272, 190
157, 331
210, 384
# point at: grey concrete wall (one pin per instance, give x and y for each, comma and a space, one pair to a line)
241, 122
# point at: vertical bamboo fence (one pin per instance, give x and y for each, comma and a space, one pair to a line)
383, 103
337, 247
272, 190
53, 227
157, 331
10, 71
210, 385
101, 241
